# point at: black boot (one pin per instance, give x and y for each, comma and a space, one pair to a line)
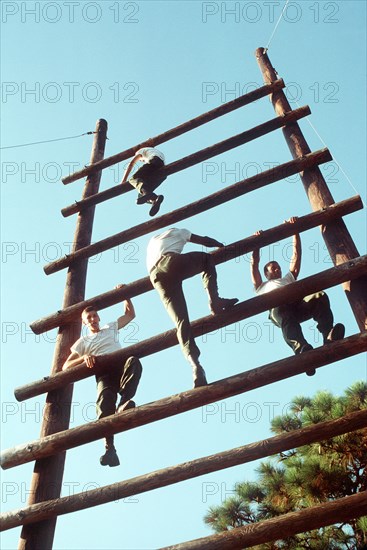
336, 333
219, 305
156, 205
124, 405
110, 457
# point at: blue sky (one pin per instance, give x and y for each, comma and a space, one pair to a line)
146, 67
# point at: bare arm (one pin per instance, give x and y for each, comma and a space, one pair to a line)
128, 316
130, 167
205, 241
129, 313
255, 260
73, 360
295, 263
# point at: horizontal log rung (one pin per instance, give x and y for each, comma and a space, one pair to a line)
229, 193
195, 158
183, 402
229, 252
191, 124
347, 271
337, 511
187, 470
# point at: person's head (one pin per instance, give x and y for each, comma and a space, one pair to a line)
272, 270
90, 318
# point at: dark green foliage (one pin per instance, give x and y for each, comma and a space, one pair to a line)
306, 476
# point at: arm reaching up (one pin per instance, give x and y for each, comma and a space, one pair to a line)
255, 260
129, 312
295, 263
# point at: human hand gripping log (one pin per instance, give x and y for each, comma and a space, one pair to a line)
167, 269
122, 379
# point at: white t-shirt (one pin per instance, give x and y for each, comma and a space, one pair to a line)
172, 240
99, 343
268, 286
148, 153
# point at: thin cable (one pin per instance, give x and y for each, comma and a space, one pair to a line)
310, 123
338, 164
46, 141
276, 26
335, 160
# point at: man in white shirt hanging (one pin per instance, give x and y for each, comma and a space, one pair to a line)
122, 378
147, 178
289, 317
167, 268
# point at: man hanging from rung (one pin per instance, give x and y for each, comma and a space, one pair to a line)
288, 317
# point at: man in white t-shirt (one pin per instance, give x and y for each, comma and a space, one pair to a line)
148, 177
167, 268
122, 379
289, 317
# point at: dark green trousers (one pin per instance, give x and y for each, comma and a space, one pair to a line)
288, 318
167, 276
123, 379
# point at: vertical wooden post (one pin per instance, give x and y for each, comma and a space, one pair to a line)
48, 473
338, 240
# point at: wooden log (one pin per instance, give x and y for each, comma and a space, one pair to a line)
187, 470
328, 513
48, 473
186, 401
248, 308
221, 255
178, 130
337, 238
195, 158
229, 193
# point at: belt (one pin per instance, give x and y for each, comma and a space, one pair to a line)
167, 254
